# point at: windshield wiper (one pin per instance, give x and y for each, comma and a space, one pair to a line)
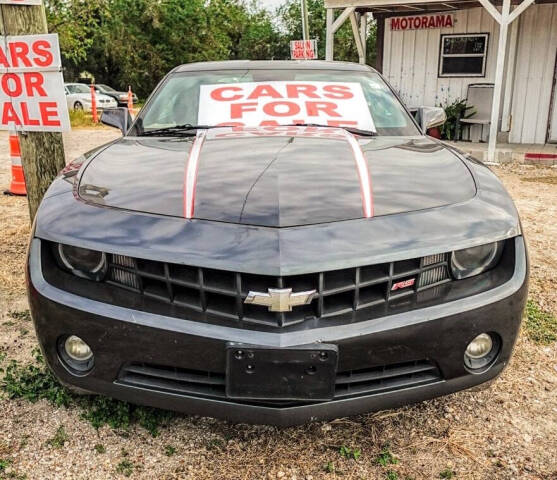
185, 129
355, 131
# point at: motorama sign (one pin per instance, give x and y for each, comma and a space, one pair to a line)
31, 84
284, 102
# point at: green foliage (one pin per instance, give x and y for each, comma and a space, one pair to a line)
81, 118
540, 326
125, 467
455, 111
330, 467
345, 46
391, 475
100, 448
136, 42
447, 473
386, 457
169, 450
350, 453
4, 463
60, 438
35, 382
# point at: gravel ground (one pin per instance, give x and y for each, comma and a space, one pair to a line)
508, 431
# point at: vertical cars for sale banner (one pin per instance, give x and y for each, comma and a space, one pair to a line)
337, 104
31, 84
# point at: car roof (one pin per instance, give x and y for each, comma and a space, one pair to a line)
273, 64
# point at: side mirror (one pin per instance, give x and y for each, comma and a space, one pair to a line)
118, 118
430, 117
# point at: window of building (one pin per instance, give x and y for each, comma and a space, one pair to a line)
463, 55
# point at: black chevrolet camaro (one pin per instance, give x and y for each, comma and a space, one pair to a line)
276, 242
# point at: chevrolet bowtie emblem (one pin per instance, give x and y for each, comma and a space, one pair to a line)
280, 299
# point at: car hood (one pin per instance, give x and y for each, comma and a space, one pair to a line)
276, 179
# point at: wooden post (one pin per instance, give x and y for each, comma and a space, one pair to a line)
330, 35
42, 153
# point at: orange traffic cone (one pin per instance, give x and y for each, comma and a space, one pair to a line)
130, 99
17, 185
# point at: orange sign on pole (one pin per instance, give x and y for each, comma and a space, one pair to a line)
130, 99
94, 105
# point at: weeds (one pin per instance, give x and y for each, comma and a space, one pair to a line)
540, 326
447, 473
350, 453
330, 467
386, 458
23, 315
125, 467
35, 382
391, 475
169, 450
4, 463
100, 448
60, 438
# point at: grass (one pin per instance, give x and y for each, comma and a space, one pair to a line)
60, 438
540, 326
80, 118
4, 463
169, 450
550, 180
35, 382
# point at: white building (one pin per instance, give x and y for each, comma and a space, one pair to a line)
431, 51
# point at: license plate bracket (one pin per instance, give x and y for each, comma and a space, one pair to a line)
302, 373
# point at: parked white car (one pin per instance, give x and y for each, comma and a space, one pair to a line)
78, 97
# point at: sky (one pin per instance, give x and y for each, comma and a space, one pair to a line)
271, 4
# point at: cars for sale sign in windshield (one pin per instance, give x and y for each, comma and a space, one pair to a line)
31, 84
338, 104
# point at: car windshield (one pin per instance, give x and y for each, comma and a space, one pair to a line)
268, 97
106, 88
78, 88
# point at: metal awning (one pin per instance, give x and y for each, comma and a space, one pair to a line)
503, 11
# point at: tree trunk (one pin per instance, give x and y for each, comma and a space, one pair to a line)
42, 153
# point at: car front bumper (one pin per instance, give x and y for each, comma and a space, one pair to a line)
119, 337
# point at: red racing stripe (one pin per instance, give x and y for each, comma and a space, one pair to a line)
190, 176
366, 189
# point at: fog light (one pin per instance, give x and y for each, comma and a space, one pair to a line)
77, 349
480, 346
482, 352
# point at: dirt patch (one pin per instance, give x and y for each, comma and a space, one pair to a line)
548, 179
505, 432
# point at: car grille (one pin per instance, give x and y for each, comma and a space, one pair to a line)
202, 293
348, 384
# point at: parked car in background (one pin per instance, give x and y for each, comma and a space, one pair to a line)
78, 97
120, 97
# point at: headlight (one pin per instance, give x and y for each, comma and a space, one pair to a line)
473, 261
83, 262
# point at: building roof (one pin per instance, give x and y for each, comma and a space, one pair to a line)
411, 7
